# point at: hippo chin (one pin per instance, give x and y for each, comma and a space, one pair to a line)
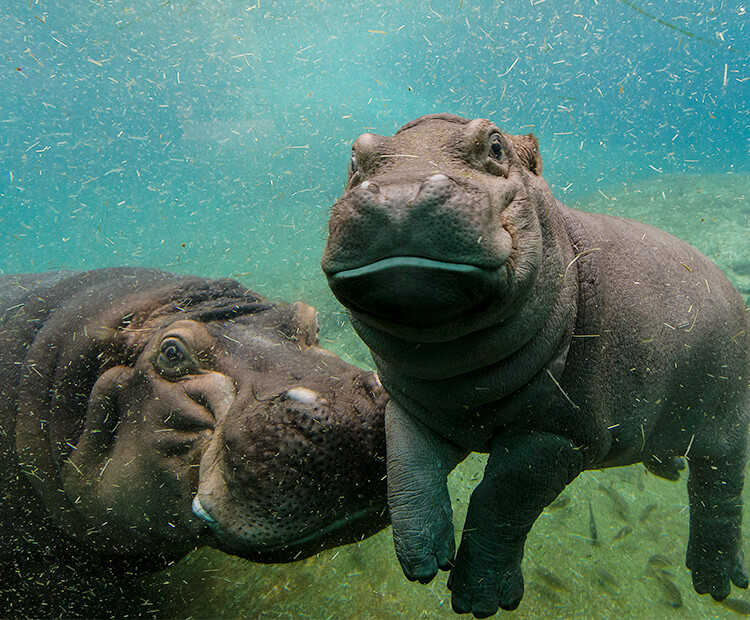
558, 341
146, 413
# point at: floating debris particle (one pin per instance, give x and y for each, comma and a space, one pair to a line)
687, 33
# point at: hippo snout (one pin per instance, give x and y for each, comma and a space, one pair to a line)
436, 189
297, 468
408, 253
428, 216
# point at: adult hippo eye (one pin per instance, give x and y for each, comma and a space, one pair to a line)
496, 147
174, 359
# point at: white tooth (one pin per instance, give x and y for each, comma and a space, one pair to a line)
365, 184
303, 395
200, 511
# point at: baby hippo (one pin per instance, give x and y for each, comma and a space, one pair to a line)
557, 341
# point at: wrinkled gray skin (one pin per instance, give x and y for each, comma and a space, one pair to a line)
558, 341
144, 414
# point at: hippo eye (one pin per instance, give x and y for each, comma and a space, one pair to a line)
174, 359
496, 147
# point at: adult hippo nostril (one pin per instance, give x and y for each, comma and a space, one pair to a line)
416, 291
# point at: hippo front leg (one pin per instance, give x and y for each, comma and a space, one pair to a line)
524, 474
714, 553
419, 462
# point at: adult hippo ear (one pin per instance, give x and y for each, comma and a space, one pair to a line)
527, 149
299, 321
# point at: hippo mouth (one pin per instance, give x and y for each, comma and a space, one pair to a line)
353, 527
415, 291
343, 531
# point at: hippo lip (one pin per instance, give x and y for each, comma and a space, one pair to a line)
331, 528
329, 535
200, 511
417, 291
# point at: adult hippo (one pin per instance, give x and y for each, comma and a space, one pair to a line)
558, 341
144, 414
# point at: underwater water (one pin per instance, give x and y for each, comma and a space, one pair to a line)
212, 137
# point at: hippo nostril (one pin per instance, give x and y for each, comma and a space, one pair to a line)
370, 186
302, 395
200, 511
435, 189
439, 177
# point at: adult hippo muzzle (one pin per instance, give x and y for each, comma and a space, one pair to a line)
147, 413
501, 321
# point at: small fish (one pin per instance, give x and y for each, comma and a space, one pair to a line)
593, 535
621, 506
646, 512
659, 561
550, 580
737, 605
605, 578
669, 589
548, 594
625, 531
560, 502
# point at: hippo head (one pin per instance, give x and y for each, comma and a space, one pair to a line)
426, 243
296, 464
201, 413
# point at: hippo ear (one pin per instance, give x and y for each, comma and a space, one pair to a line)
527, 148
300, 322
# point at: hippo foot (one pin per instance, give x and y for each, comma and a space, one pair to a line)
714, 554
419, 462
480, 587
713, 571
424, 551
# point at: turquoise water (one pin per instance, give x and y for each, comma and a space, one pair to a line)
212, 138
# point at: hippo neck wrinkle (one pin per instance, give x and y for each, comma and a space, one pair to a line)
487, 365
492, 366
